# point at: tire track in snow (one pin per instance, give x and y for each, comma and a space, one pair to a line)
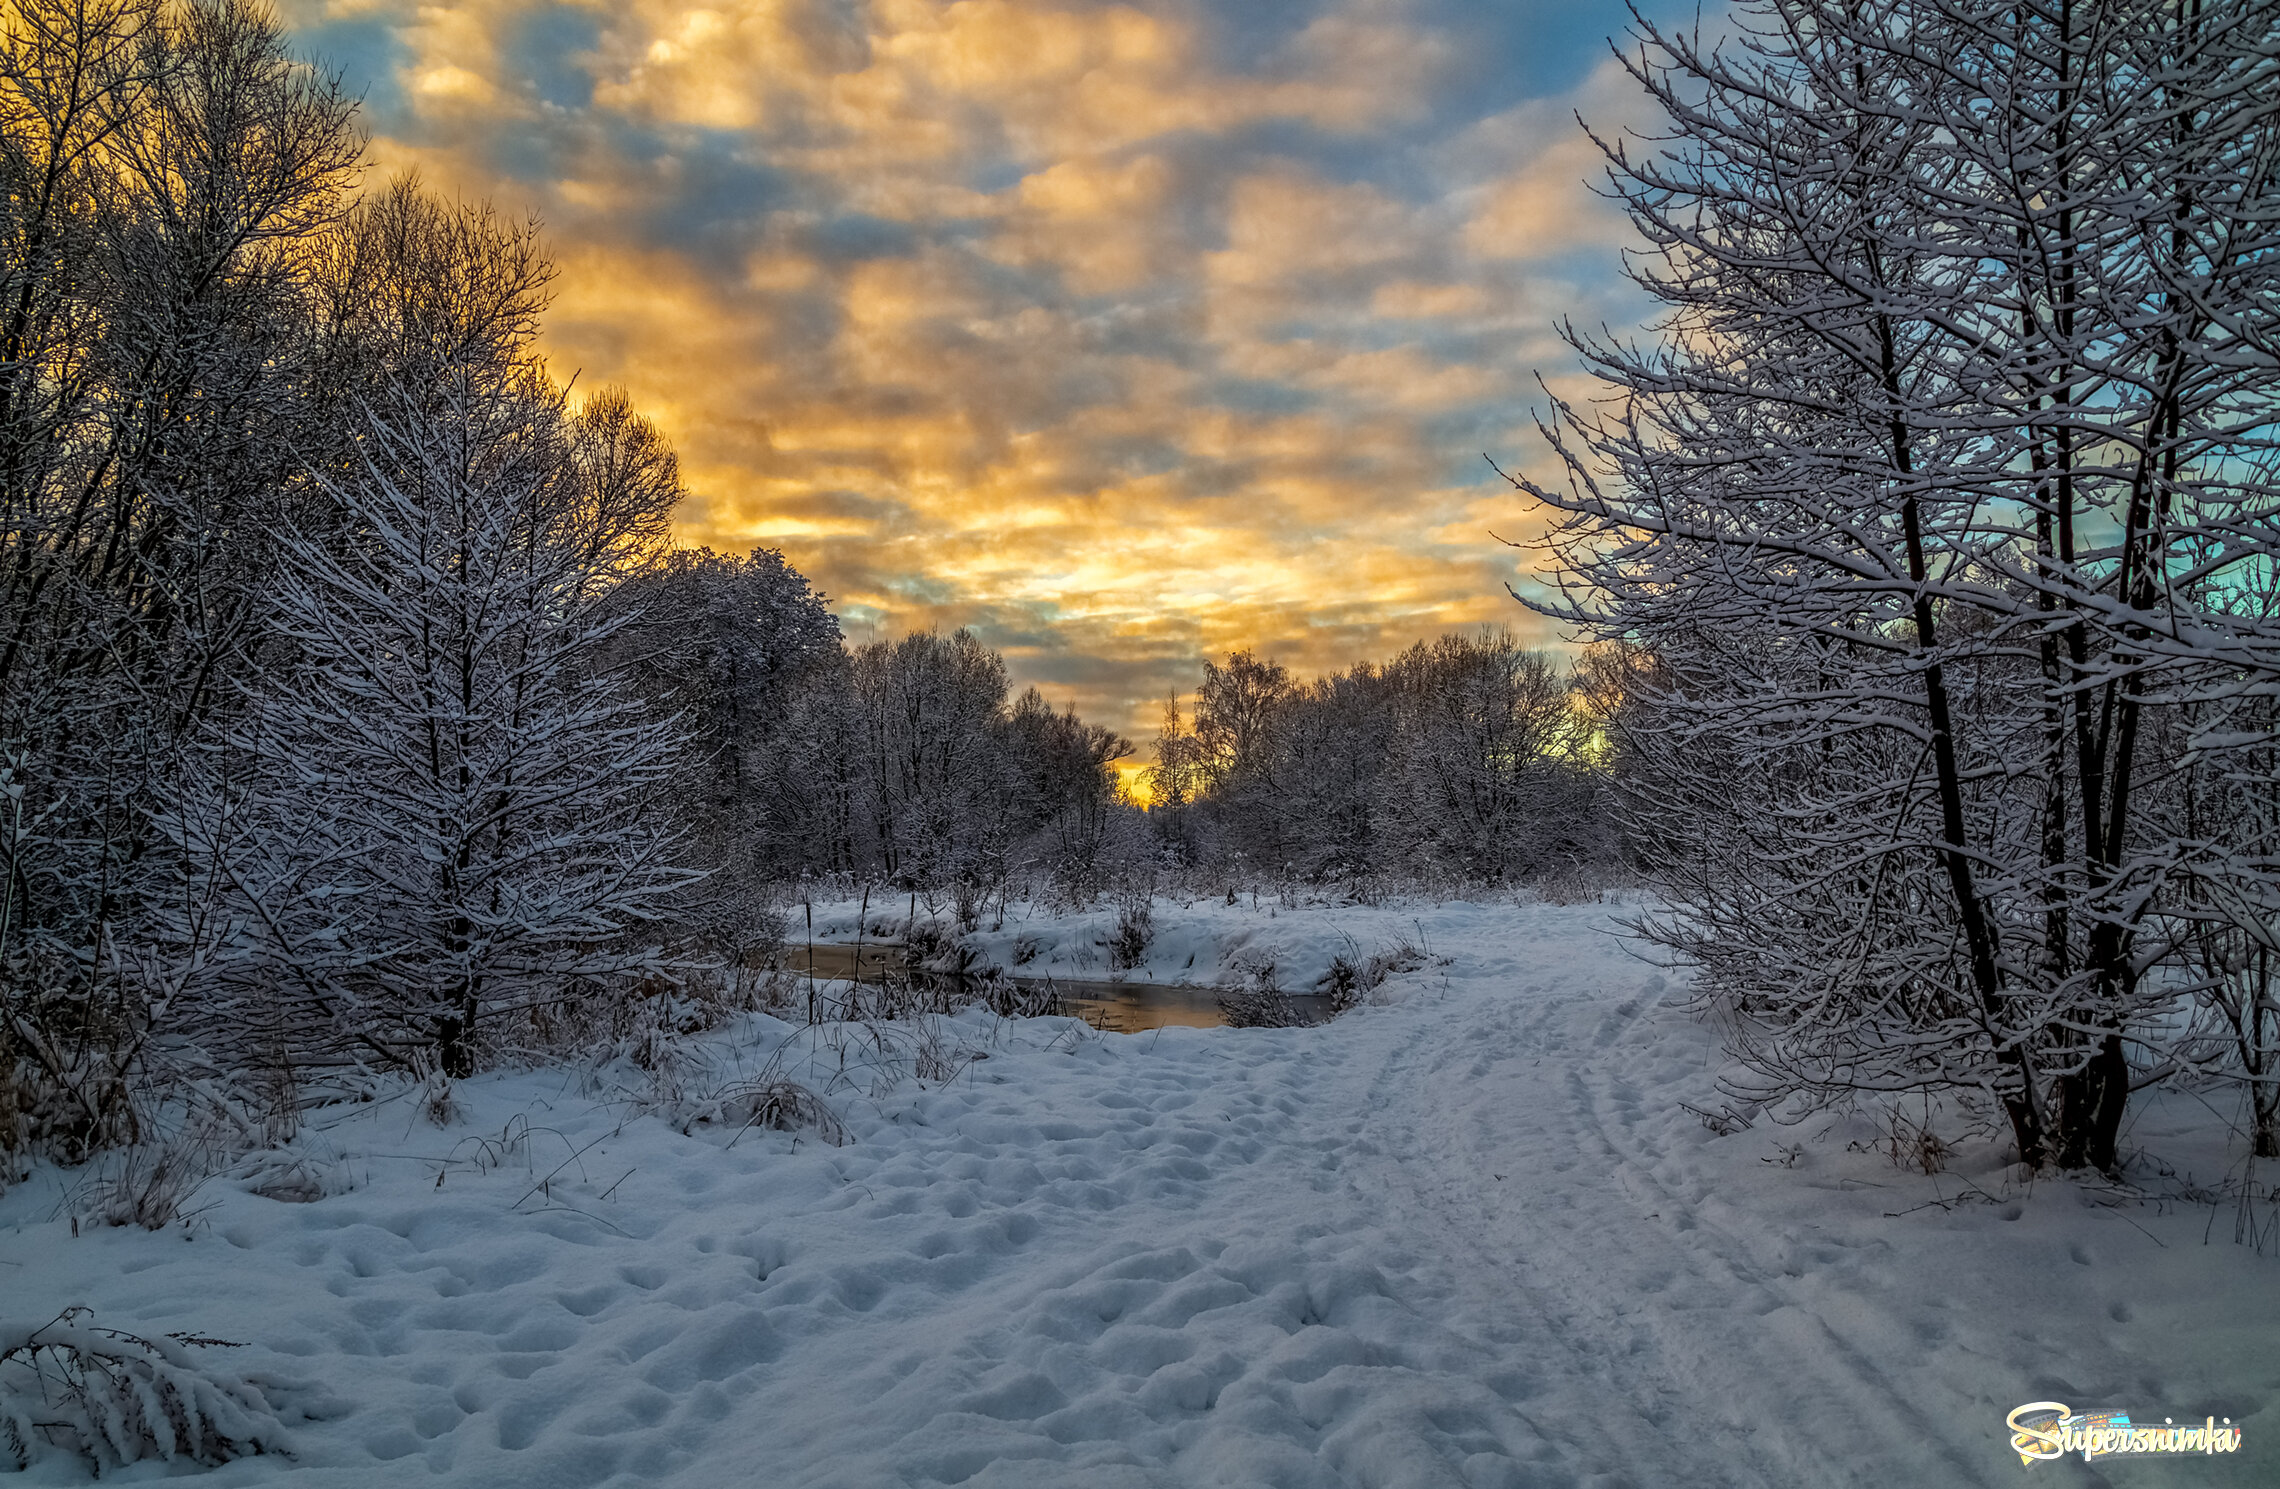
1566, 1241
1607, 1409
1865, 1396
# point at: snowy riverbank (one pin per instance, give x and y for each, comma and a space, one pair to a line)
1190, 942
1465, 1236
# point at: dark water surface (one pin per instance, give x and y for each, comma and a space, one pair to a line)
1119, 1006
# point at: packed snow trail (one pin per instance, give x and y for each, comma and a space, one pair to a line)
1469, 1238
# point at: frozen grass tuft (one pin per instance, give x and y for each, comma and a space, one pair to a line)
149, 1183
1259, 1002
437, 1103
1355, 974
786, 1106
292, 1179
1013, 1000
1127, 945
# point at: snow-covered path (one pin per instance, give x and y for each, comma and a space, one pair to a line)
1677, 1356
1469, 1238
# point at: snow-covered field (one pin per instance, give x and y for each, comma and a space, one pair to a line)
1465, 1236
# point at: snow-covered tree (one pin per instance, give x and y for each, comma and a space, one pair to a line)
1172, 783
1069, 801
728, 644
1479, 779
1462, 757
1934, 500
454, 819
1337, 741
162, 170
929, 707
1240, 709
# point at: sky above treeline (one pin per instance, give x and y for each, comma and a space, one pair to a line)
1125, 334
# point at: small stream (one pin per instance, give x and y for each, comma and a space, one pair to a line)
1117, 1006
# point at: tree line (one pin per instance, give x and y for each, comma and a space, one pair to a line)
1462, 759
1930, 545
909, 763
906, 763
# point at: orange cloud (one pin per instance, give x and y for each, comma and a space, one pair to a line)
1080, 323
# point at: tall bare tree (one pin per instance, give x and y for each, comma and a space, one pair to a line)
165, 169
1940, 487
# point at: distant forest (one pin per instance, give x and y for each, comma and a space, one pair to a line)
905, 763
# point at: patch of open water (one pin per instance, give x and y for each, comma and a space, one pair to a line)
1120, 1006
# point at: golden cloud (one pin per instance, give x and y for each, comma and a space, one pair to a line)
1068, 321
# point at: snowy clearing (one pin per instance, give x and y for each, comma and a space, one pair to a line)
1465, 1236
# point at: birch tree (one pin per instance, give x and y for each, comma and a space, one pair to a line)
1173, 782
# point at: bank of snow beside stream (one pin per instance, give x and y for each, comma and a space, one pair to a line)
1466, 1235
1188, 942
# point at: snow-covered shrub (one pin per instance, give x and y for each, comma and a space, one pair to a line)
115, 1398
145, 1184
292, 1178
1127, 945
1259, 1008
1354, 974
1258, 1002
1010, 999
438, 1103
936, 1058
898, 997
969, 895
926, 940
1911, 1143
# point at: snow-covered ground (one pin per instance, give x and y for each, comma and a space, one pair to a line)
1465, 1236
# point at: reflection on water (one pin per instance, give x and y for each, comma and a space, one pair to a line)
1128, 1008
1118, 1007
833, 959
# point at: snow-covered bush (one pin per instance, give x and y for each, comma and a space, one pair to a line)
775, 1103
145, 1184
115, 1398
1355, 974
1258, 1001
1127, 945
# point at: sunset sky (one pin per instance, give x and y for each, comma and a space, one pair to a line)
1125, 334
